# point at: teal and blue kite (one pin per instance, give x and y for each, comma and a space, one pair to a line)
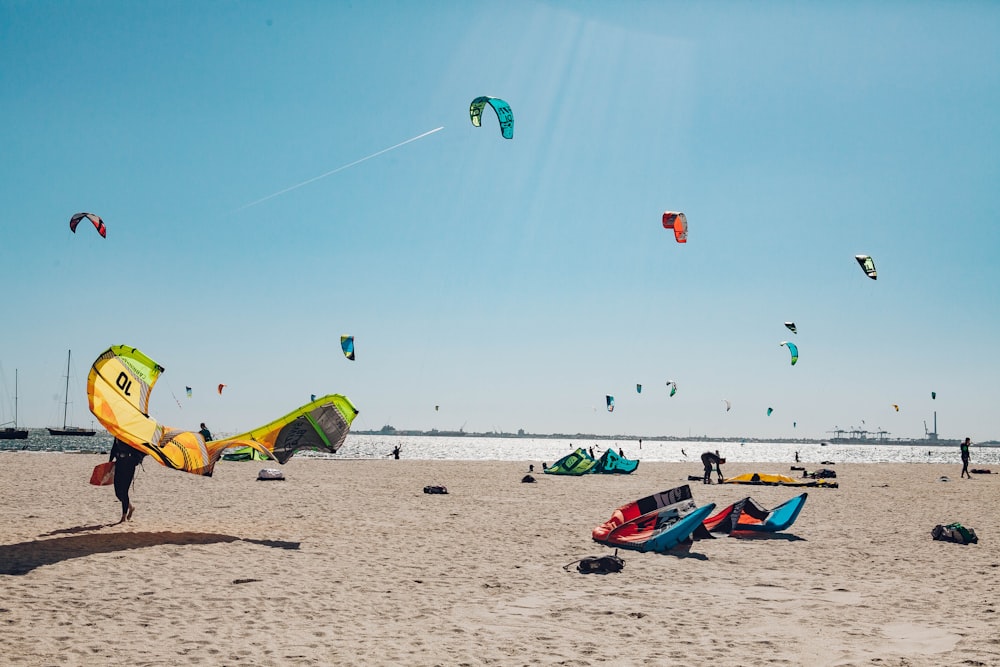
347, 345
794, 349
504, 114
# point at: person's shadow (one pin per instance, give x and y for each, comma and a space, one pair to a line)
23, 557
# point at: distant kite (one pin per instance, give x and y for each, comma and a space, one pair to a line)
312, 397
504, 114
347, 345
638, 388
673, 387
611, 402
96, 219
677, 222
794, 349
791, 327
728, 404
895, 407
187, 390
769, 411
220, 389
437, 408
867, 265
933, 395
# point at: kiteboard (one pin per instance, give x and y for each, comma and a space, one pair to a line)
104, 474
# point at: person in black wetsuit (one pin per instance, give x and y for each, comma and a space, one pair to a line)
965, 458
710, 460
205, 433
126, 459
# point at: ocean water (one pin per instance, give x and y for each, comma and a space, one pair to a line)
538, 450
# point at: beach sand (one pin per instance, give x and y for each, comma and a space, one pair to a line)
348, 562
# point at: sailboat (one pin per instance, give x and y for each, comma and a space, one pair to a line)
14, 433
69, 430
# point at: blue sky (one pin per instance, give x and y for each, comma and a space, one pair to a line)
512, 283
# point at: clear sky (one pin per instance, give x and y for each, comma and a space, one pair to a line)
515, 283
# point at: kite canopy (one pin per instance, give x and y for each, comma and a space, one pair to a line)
749, 515
611, 402
502, 109
118, 389
677, 222
221, 386
867, 265
933, 395
347, 345
96, 219
612, 463
769, 411
673, 387
791, 327
793, 348
575, 463
638, 388
728, 404
772, 479
655, 523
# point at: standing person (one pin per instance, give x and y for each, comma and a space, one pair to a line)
126, 459
965, 458
708, 459
205, 433
395, 451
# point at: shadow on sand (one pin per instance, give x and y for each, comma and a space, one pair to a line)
750, 535
22, 558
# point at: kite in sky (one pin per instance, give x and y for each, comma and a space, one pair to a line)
96, 219
611, 402
677, 222
867, 265
673, 387
220, 389
638, 388
728, 404
933, 395
504, 114
347, 345
187, 390
791, 327
794, 349
118, 389
769, 411
896, 407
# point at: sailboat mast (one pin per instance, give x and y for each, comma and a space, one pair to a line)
15, 399
69, 354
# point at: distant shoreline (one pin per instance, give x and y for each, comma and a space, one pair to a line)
392, 432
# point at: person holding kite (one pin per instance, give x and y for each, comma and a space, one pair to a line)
125, 459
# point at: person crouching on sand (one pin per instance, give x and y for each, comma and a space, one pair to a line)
710, 460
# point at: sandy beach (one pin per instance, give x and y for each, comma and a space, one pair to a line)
348, 562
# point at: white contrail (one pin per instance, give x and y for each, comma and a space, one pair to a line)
334, 171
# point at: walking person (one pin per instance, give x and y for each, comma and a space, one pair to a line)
126, 459
965, 458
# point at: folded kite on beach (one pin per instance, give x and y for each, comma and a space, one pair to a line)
748, 515
657, 523
773, 479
